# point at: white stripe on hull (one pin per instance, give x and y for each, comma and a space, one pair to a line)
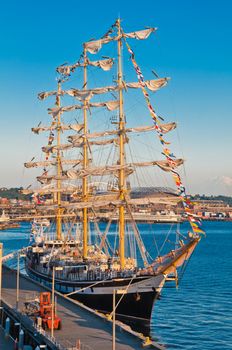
147, 285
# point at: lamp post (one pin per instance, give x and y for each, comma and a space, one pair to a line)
58, 268
113, 330
17, 281
115, 291
2, 312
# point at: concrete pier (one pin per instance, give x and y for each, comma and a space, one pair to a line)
80, 325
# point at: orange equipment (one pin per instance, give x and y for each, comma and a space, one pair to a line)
45, 312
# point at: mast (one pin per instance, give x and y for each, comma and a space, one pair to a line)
121, 130
85, 164
58, 161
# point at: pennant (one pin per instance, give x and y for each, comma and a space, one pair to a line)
166, 152
198, 230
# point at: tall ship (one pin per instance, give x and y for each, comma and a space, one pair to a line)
85, 232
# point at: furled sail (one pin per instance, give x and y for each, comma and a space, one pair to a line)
96, 171
94, 204
130, 167
94, 46
110, 105
52, 149
75, 127
89, 93
163, 164
39, 129
152, 85
45, 179
79, 142
101, 202
156, 200
140, 34
79, 94
45, 94
164, 127
56, 110
37, 164
48, 190
67, 69
52, 162
75, 138
103, 64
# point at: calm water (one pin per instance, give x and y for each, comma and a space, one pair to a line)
199, 314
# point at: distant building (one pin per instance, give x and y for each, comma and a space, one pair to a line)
4, 201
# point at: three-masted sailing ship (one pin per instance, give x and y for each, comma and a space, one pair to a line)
70, 204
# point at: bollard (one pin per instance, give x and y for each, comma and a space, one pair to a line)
7, 327
147, 342
39, 323
21, 339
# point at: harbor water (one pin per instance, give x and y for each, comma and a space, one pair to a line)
197, 315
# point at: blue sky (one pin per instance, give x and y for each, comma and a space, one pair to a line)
192, 45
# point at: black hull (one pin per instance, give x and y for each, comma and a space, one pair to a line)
134, 309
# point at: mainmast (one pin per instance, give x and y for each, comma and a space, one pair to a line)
121, 130
59, 169
85, 164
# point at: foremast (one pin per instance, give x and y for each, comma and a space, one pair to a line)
121, 132
59, 168
85, 165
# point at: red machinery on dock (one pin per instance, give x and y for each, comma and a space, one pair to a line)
45, 312
42, 310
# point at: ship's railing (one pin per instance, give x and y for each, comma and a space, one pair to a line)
14, 254
84, 275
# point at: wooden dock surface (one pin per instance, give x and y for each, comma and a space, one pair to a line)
78, 323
